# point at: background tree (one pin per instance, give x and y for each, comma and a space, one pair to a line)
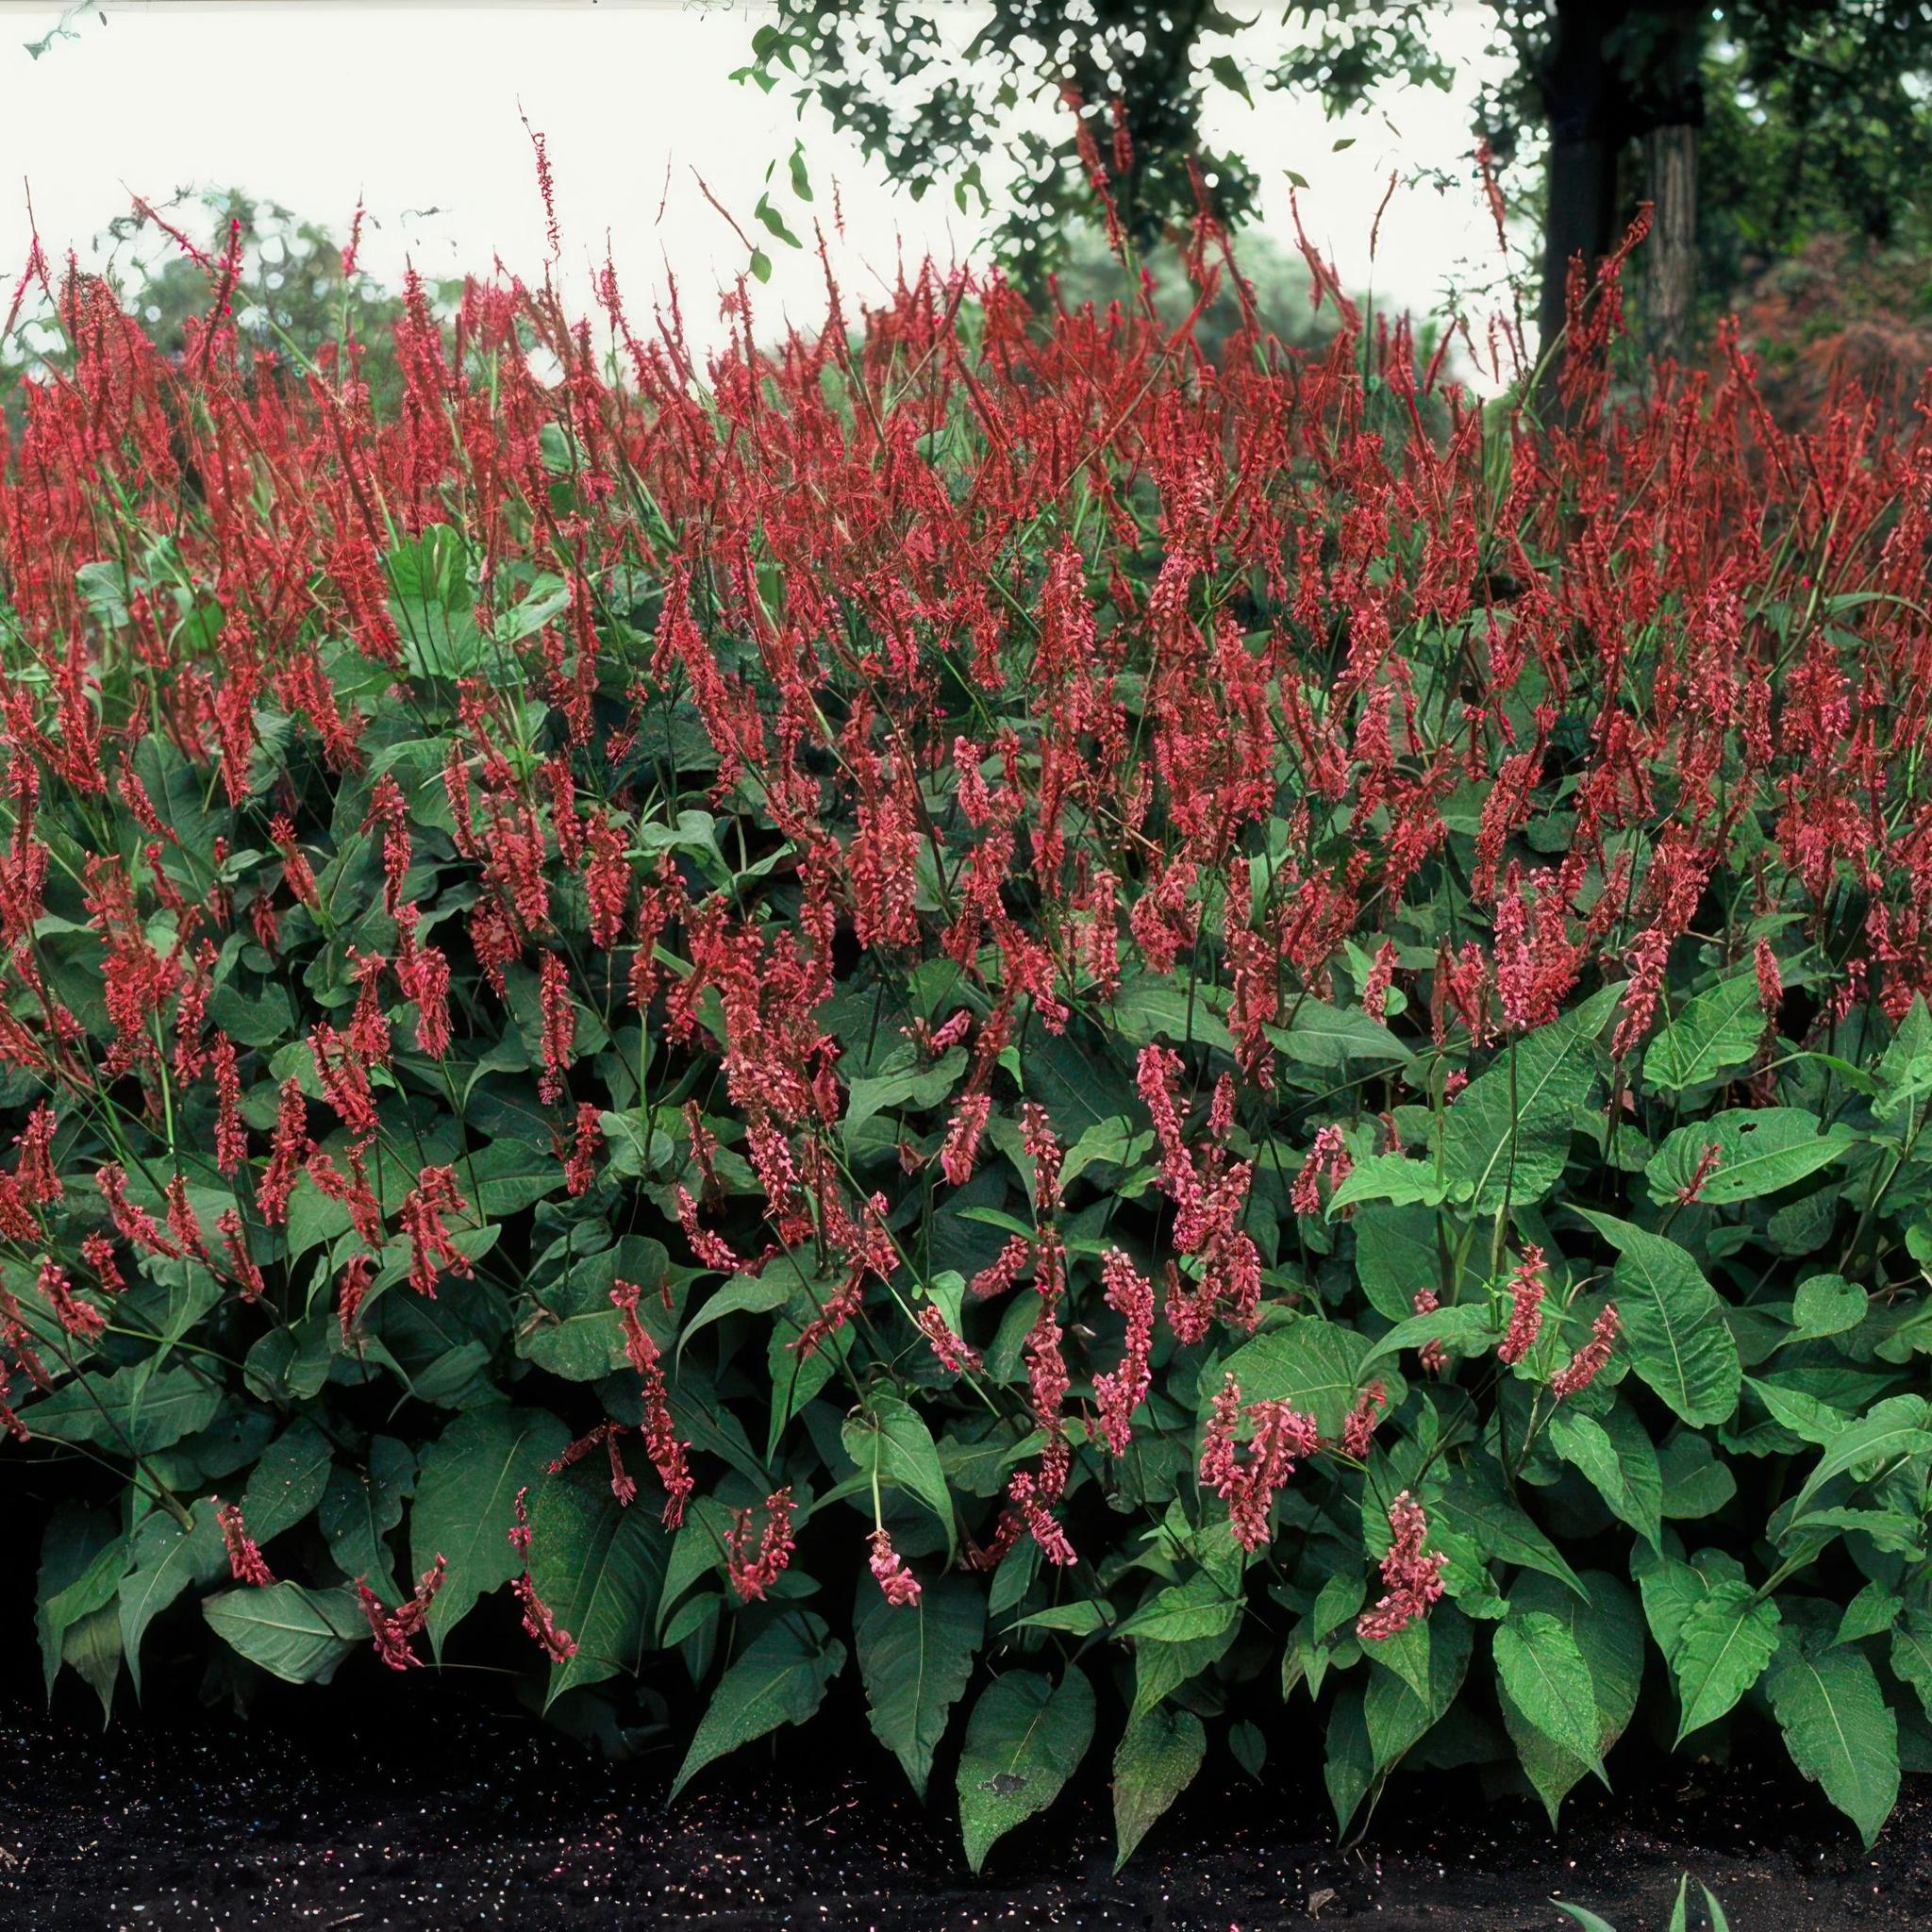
1816, 110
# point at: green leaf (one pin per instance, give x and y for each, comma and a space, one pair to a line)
1673, 1324
1314, 1366
1621, 1466
1156, 1761
1583, 1916
1396, 1718
1116, 1142
359, 1508
1760, 1150
93, 1647
1326, 1038
1827, 1304
1609, 1632
889, 1438
296, 1634
1464, 1328
1837, 1727
465, 1504
1911, 1654
1226, 70
1506, 1137
82, 1560
747, 1294
1183, 1612
1889, 1431
1723, 1644
435, 604
1541, 1670
599, 1565
574, 1329
1025, 1738
1475, 1504
915, 1660
128, 1410
1348, 1766
288, 1482
1716, 1031
167, 1560
781, 1679
1392, 1178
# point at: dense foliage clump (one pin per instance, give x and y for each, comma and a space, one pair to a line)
1159, 1054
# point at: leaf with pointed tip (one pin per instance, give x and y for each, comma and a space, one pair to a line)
915, 1660
1609, 1632
1673, 1324
1619, 1460
296, 1634
1541, 1669
1837, 1727
1723, 1644
1158, 1756
1506, 1137
1760, 1150
465, 1504
167, 1560
1716, 1031
780, 1679
598, 1564
1025, 1739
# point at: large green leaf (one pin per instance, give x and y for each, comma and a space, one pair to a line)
1182, 1612
1911, 1654
1327, 1037
1396, 1717
1674, 1323
167, 1560
1313, 1365
1475, 1505
434, 604
1025, 1739
1725, 1641
465, 1502
1156, 1761
1619, 1460
915, 1659
82, 1560
361, 1507
1348, 1766
1716, 1031
1541, 1670
1898, 1427
889, 1440
574, 1329
1760, 1150
598, 1565
1827, 1304
129, 1409
288, 1480
296, 1634
780, 1679
1836, 1726
1506, 1136
1609, 1634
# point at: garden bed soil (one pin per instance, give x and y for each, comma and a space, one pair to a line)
422, 1809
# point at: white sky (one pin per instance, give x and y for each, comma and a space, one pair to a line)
416, 108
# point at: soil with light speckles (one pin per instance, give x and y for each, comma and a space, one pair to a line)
416, 1807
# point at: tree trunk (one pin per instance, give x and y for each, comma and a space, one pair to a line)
1583, 93
1670, 155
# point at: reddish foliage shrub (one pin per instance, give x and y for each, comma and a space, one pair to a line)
1170, 1023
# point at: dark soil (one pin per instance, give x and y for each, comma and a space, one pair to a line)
417, 1809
